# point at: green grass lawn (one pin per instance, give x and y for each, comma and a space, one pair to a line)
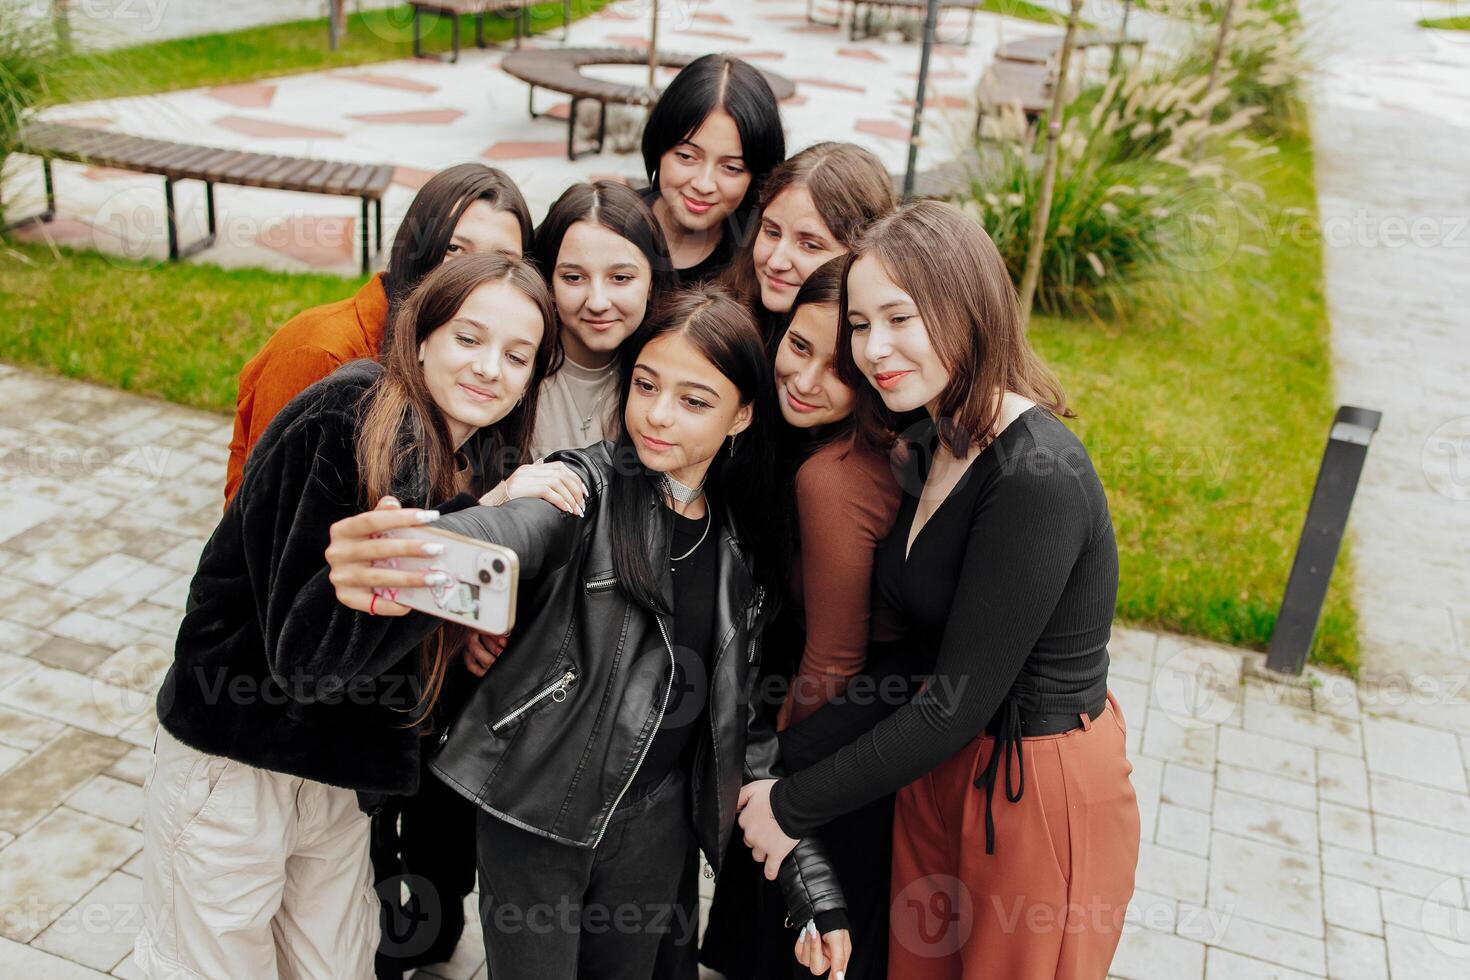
275, 49
1447, 23
1207, 418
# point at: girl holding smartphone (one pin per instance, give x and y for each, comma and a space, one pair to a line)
285, 715
601, 761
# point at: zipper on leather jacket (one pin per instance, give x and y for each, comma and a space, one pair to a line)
760, 597
557, 691
673, 667
600, 585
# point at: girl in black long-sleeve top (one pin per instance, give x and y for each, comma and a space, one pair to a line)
1003, 563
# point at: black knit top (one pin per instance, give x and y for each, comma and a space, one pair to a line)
1008, 592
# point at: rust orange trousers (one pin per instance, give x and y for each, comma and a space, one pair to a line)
1050, 902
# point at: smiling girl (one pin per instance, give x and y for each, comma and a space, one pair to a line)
1003, 565
285, 715
711, 139
616, 742
813, 207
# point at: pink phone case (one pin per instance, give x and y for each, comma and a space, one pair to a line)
483, 582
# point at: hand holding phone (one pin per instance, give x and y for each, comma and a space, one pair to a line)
471, 582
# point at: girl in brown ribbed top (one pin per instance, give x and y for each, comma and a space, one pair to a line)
1003, 564
848, 675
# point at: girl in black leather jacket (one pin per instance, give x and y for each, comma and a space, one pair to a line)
619, 732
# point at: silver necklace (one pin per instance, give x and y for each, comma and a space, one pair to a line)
682, 493
708, 520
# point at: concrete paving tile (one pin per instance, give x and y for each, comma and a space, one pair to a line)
1342, 779
50, 867
1265, 883
98, 931
1414, 754
73, 699
1351, 905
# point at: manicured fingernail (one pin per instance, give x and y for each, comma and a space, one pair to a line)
428, 516
431, 548
436, 578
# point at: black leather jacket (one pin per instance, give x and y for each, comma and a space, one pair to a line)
551, 738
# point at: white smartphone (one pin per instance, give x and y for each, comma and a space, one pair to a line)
480, 591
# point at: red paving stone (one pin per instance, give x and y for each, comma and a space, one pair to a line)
389, 81
524, 149
411, 177
883, 128
794, 100
422, 117
759, 55
266, 129
830, 83
862, 54
934, 100
629, 40
251, 96
717, 35
559, 111
320, 241
63, 231
106, 173
712, 18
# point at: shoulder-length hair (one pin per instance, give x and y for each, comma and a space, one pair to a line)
718, 81
403, 444
738, 481
621, 210
849, 187
959, 284
428, 225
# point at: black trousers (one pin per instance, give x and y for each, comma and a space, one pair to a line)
426, 841
551, 911
747, 937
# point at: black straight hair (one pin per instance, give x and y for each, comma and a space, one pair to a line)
740, 476
718, 81
428, 225
615, 206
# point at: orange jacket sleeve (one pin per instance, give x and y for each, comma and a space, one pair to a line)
267, 384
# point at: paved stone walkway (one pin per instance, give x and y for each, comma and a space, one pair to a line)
1391, 109
1288, 830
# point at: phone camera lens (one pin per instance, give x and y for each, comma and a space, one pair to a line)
484, 576
499, 566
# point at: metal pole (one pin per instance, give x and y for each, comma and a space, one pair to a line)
931, 24
1122, 33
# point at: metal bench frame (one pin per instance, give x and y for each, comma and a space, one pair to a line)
446, 8
183, 161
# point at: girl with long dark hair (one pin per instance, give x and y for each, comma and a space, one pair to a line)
711, 139
1003, 565
836, 474
617, 740
285, 715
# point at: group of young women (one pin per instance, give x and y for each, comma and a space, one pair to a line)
809, 567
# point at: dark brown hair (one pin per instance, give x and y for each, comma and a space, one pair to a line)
403, 444
849, 186
866, 429
428, 226
621, 210
958, 281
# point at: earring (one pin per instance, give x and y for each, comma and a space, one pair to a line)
732, 445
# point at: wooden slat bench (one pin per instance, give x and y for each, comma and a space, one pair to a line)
454, 9
1044, 49
183, 161
560, 70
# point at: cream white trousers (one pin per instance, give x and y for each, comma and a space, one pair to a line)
252, 873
